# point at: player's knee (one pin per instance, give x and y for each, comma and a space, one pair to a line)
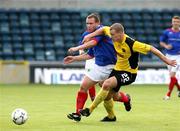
106, 85
83, 87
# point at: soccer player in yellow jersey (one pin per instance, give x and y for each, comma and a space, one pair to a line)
125, 70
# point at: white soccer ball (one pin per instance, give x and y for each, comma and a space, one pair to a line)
19, 116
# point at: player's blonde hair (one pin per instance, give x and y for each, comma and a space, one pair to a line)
176, 17
117, 27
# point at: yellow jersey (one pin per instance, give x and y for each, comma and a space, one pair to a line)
127, 52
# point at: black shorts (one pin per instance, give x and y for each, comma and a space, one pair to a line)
123, 78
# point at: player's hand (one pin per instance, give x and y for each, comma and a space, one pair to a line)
72, 50
86, 39
168, 47
68, 59
172, 62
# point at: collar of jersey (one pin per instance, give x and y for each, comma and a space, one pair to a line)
124, 38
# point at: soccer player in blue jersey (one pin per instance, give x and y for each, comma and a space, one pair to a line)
105, 58
170, 40
89, 63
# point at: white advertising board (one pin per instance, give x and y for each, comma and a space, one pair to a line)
75, 76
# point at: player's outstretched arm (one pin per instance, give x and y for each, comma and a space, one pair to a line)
71, 59
86, 45
88, 37
163, 57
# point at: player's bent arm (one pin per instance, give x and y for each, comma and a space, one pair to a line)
71, 59
82, 57
162, 56
86, 45
165, 45
100, 31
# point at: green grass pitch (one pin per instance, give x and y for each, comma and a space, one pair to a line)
47, 107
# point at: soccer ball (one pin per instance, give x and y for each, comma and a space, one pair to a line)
19, 116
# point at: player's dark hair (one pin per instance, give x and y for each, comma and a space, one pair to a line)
176, 17
117, 27
96, 16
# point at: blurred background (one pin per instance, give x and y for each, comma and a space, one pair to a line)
36, 34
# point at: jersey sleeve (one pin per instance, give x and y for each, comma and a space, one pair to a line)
141, 47
82, 37
106, 30
97, 39
164, 37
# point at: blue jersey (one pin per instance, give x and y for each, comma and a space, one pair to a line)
173, 38
103, 52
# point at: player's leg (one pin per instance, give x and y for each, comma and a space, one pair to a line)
92, 92
82, 94
178, 88
177, 84
81, 98
89, 67
172, 83
108, 105
173, 79
101, 96
123, 97
123, 78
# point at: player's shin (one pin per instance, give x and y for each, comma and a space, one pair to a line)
92, 93
123, 97
80, 100
108, 104
99, 98
171, 85
177, 84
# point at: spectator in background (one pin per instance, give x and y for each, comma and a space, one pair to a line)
170, 40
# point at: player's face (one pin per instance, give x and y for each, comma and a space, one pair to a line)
91, 24
116, 36
176, 23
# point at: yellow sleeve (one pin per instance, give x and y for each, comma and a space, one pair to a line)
106, 30
141, 47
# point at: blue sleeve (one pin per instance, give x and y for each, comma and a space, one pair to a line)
90, 52
164, 37
82, 37
98, 38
